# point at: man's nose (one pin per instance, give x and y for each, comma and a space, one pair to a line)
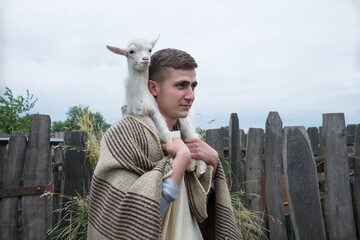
190, 94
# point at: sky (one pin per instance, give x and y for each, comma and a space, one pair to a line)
298, 58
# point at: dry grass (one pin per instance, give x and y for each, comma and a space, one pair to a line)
74, 223
87, 123
249, 222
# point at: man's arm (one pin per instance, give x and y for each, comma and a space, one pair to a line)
181, 161
202, 151
169, 194
182, 156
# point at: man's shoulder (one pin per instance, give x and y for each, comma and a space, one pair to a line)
124, 126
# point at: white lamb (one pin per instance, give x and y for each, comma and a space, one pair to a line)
139, 100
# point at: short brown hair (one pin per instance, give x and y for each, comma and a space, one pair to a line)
169, 57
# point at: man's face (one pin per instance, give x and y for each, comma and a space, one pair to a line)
176, 93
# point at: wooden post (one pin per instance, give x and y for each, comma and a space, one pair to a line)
12, 179
273, 174
338, 204
234, 153
302, 185
58, 180
215, 139
357, 175
242, 139
350, 134
2, 159
36, 211
321, 142
314, 140
254, 170
76, 165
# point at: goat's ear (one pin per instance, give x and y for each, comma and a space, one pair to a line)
153, 42
117, 50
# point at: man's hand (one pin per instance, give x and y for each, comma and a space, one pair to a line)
182, 156
200, 150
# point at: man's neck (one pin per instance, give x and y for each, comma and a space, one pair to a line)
171, 123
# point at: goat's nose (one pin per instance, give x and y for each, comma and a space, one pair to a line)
145, 58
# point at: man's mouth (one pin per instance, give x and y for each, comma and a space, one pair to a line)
185, 105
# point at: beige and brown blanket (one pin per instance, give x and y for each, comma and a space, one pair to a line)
126, 188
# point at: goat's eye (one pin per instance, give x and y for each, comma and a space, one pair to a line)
149, 50
132, 52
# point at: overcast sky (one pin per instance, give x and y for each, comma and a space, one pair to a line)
299, 58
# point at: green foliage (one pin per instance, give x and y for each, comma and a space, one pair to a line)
73, 114
11, 109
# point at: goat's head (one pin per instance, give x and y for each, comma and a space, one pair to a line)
138, 53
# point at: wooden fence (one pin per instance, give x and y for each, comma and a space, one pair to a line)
30, 166
306, 186
305, 190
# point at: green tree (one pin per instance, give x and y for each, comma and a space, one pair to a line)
76, 112
11, 111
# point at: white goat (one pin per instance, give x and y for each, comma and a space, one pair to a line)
139, 100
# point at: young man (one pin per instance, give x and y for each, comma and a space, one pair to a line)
141, 189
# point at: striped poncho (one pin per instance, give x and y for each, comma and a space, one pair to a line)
127, 183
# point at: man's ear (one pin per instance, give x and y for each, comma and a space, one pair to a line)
153, 88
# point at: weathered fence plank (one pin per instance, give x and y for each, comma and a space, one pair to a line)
254, 170
76, 166
235, 153
12, 176
357, 175
242, 139
350, 134
302, 185
2, 159
273, 173
37, 171
58, 180
338, 204
314, 140
215, 139
321, 142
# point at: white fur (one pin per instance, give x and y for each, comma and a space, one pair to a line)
139, 100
